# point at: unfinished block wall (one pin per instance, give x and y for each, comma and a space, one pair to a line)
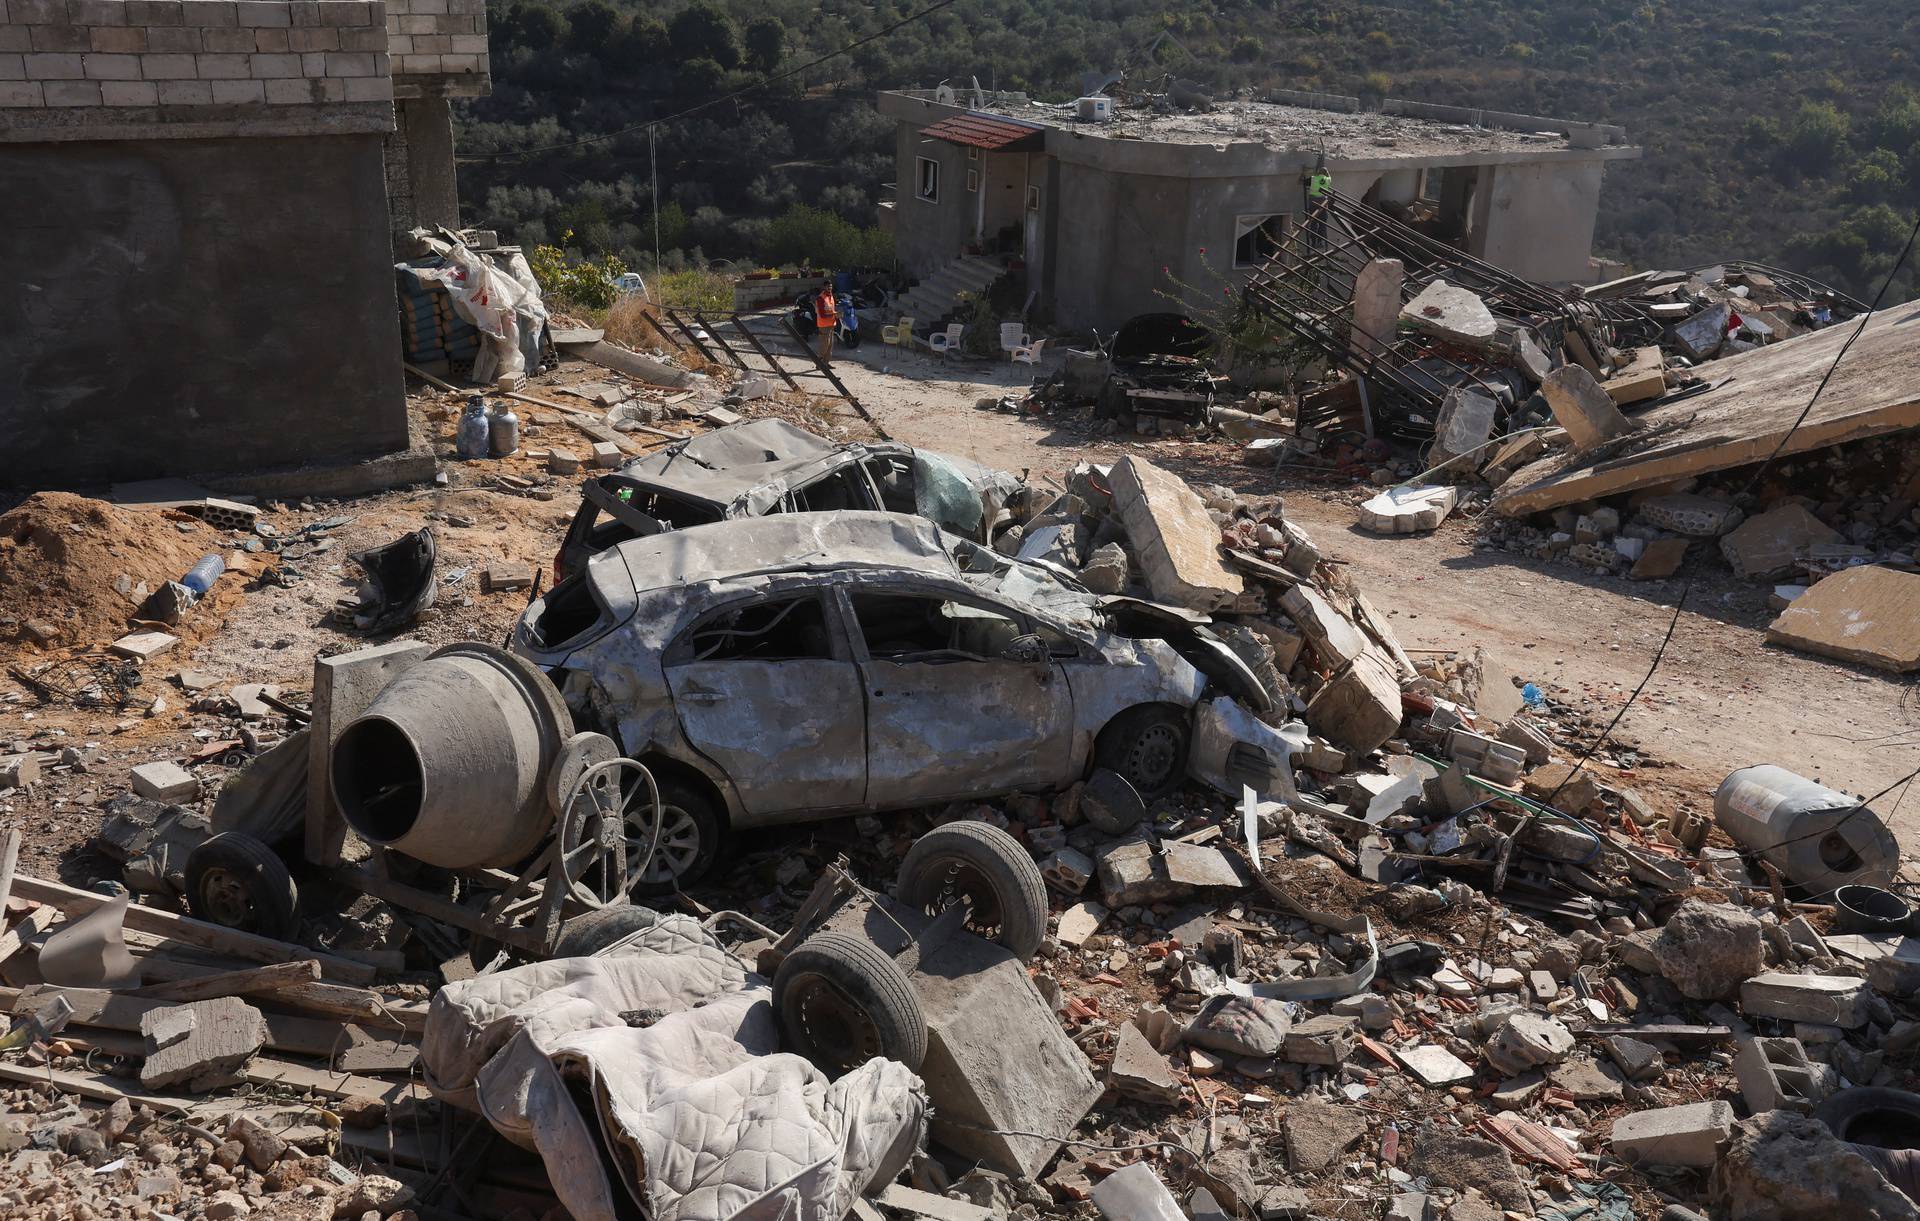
429, 38
163, 55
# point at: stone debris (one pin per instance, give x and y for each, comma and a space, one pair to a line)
1707, 950
1689, 1135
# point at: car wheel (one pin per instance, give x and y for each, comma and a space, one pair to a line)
690, 832
237, 882
986, 869
591, 932
1147, 746
842, 1002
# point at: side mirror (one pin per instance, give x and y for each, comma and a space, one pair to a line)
1028, 650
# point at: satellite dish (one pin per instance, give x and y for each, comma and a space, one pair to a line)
979, 98
944, 95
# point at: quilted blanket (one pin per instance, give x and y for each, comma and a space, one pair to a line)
655, 1072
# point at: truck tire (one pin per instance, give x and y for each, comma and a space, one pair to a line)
842, 1002
985, 868
237, 882
591, 932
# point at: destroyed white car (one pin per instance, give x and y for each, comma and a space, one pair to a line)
789, 668
763, 467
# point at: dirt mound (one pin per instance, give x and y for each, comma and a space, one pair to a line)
64, 560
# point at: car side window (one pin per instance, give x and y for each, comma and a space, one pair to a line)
910, 627
770, 629
893, 475
844, 489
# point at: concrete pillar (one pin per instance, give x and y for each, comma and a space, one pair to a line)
421, 189
1376, 304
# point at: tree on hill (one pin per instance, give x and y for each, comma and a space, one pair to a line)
702, 31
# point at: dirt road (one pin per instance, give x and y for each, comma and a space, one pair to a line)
1720, 699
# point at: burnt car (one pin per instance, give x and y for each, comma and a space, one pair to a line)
765, 467
1157, 366
807, 665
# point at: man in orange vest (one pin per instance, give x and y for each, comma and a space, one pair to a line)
826, 316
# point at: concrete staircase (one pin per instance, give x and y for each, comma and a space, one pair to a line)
933, 301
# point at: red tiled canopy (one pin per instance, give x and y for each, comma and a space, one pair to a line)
990, 131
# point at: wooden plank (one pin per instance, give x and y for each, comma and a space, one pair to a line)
75, 903
1749, 412
323, 999
264, 1070
211, 1112
9, 859
25, 929
254, 981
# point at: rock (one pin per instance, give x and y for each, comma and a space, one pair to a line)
1453, 314
1525, 1040
1452, 1159
1241, 1026
226, 1205
262, 1147
1106, 570
373, 1194
82, 1142
1138, 1071
1638, 1061
1587, 1081
1318, 1132
226, 1033
1709, 949
1784, 1166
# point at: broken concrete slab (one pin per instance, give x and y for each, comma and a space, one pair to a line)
166, 781
1525, 1040
225, 1034
1701, 335
1461, 428
1377, 292
1765, 546
248, 697
1138, 1071
1080, 922
1588, 1080
1132, 872
19, 771
1318, 1132
1581, 406
1826, 1000
1453, 314
143, 646
1135, 1193
1708, 949
1659, 559
1434, 1066
1335, 638
1862, 615
1408, 509
1638, 1061
1689, 1135
1359, 707
1174, 539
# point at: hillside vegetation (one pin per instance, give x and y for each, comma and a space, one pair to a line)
1784, 132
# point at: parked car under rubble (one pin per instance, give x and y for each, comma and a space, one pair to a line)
1157, 366
797, 667
764, 467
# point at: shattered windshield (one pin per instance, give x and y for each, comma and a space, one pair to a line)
1035, 585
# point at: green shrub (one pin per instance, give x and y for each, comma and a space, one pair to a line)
568, 281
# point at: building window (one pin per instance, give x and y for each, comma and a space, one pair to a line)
1033, 199
973, 180
929, 188
973, 154
1257, 238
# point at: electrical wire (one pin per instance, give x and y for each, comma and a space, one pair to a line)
1679, 605
775, 79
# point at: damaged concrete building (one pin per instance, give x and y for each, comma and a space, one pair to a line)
200, 196
1105, 215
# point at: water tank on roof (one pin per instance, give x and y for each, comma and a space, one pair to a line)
1096, 109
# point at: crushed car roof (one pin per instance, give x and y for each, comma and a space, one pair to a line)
720, 466
786, 541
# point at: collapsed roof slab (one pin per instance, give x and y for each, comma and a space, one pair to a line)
1756, 398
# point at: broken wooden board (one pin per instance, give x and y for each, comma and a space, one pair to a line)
297, 1125
263, 1070
1869, 615
1753, 406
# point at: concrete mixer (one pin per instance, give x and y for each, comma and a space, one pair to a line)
461, 765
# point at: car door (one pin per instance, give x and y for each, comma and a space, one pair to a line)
766, 688
948, 713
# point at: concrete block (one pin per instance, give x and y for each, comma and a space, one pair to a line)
1138, 1071
1776, 1074
1407, 510
38, 12
1689, 1135
276, 67
1689, 514
225, 1034
53, 67
1173, 537
122, 40
606, 454
369, 89
185, 93
343, 687
165, 780
1532, 743
1067, 870
349, 63
129, 93
174, 39
209, 13
236, 41
263, 13
1325, 1040
169, 68
1359, 707
151, 13
1581, 406
59, 38
231, 93
212, 67
319, 38
1485, 757
1827, 1000
19, 771
1453, 314
21, 94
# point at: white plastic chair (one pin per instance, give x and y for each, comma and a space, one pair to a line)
947, 342
1013, 337
1028, 353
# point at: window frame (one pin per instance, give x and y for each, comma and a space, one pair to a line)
1033, 197
856, 633
1262, 219
679, 650
926, 185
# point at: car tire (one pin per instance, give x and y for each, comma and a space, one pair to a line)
985, 867
1873, 1115
237, 882
689, 840
589, 933
1148, 746
842, 1002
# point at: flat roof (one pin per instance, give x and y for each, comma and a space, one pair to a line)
1346, 133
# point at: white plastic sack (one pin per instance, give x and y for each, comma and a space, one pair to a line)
659, 1066
505, 305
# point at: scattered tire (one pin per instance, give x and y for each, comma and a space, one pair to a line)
986, 869
237, 882
587, 934
842, 1002
689, 839
1873, 1115
1148, 746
